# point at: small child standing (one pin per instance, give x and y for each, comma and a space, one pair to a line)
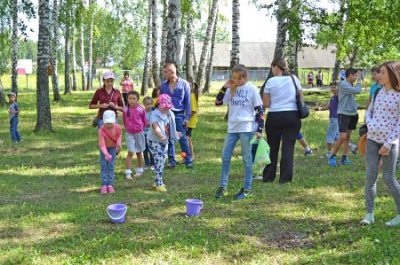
333, 129
332, 133
245, 118
13, 111
127, 86
148, 158
347, 115
134, 117
110, 137
161, 119
194, 109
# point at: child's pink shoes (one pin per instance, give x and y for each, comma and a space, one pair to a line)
110, 189
106, 189
103, 189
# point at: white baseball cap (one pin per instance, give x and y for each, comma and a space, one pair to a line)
109, 116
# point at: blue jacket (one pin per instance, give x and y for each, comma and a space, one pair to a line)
180, 97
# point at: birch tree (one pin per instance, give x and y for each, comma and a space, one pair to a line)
155, 40
82, 52
54, 51
89, 85
43, 121
235, 51
206, 44
164, 35
146, 68
189, 48
67, 83
295, 36
73, 54
14, 51
174, 31
210, 62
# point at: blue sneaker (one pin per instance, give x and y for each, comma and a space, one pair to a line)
332, 161
242, 194
346, 161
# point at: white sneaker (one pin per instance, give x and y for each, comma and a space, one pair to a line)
139, 172
128, 174
368, 219
394, 222
328, 155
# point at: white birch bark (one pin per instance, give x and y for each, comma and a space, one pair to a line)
43, 121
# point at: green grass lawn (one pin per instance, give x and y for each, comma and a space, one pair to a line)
51, 211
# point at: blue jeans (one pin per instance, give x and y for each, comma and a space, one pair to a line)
332, 133
230, 143
148, 157
15, 137
179, 118
107, 167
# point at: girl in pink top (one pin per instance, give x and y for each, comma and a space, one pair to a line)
110, 146
134, 117
127, 86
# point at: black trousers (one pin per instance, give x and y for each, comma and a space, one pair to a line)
281, 127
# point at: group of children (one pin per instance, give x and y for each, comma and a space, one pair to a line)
147, 130
382, 120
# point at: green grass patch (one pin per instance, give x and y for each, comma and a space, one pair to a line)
51, 211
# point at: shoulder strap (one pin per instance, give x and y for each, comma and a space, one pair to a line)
294, 83
112, 94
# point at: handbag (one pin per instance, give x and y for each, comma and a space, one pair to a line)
302, 108
94, 121
96, 118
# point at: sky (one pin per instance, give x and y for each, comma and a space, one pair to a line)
254, 24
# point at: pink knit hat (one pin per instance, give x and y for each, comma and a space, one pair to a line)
164, 101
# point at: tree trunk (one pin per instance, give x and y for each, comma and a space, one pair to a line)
280, 33
54, 53
67, 83
189, 48
89, 85
146, 68
293, 47
73, 54
206, 88
235, 51
336, 69
206, 44
338, 61
164, 36
294, 37
194, 57
3, 102
14, 56
81, 39
43, 122
280, 36
174, 31
353, 56
155, 40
